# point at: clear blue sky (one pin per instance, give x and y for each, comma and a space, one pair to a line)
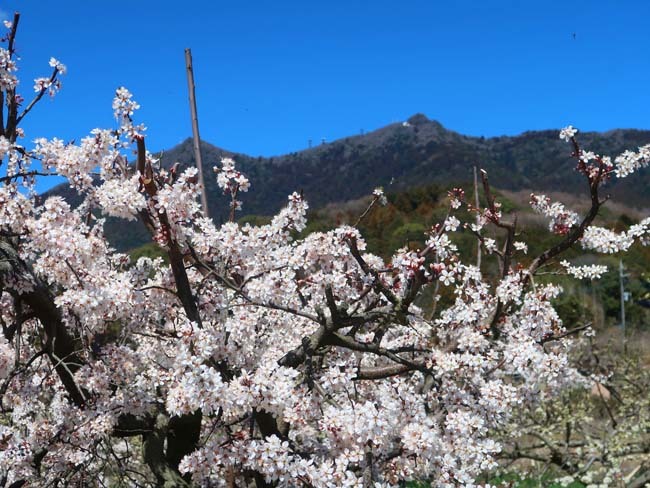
272, 75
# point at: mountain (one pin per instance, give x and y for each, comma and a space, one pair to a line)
400, 156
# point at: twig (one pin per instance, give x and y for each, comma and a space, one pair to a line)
38, 96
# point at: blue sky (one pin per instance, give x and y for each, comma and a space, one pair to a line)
272, 75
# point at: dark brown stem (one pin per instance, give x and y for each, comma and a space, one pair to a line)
183, 287
377, 284
6, 179
565, 334
12, 33
38, 97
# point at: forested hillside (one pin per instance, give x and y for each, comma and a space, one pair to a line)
399, 156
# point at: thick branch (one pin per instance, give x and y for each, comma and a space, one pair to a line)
297, 356
153, 451
59, 343
382, 372
184, 290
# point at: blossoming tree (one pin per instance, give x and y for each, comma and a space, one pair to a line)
248, 357
598, 436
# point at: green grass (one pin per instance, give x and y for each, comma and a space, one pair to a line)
516, 481
513, 480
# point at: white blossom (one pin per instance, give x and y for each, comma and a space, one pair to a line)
567, 133
378, 193
593, 271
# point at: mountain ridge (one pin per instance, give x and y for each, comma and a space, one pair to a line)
402, 155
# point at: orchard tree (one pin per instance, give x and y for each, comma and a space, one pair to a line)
248, 357
598, 436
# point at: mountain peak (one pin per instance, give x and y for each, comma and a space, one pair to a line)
418, 119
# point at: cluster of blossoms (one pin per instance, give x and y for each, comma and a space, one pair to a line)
7, 357
590, 271
629, 162
609, 242
120, 198
77, 162
123, 108
231, 181
457, 197
561, 219
248, 355
8, 79
50, 84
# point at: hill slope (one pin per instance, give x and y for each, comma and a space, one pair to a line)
407, 155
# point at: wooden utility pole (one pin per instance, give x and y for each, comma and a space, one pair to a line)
195, 128
478, 219
621, 279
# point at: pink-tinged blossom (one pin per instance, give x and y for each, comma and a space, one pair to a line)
8, 79
15, 208
75, 162
120, 198
7, 357
124, 108
293, 216
561, 220
442, 245
41, 84
408, 263
510, 289
231, 181
5, 146
123, 105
